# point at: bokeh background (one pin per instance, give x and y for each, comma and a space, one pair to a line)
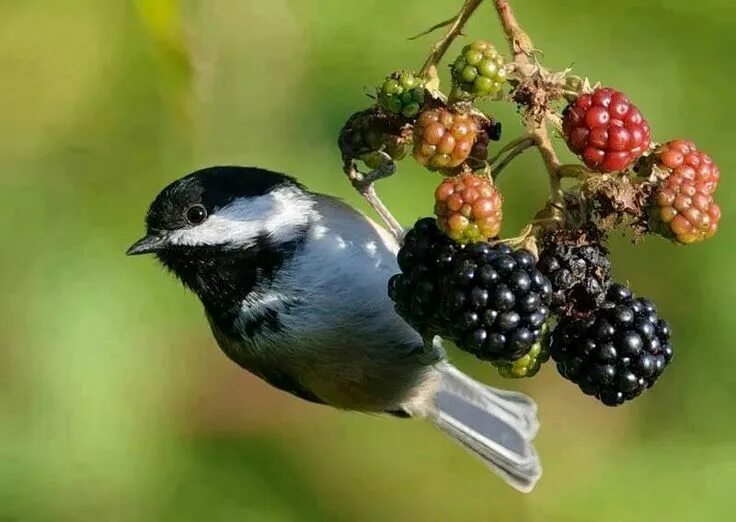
117, 405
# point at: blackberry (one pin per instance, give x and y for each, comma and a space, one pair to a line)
494, 301
402, 93
443, 139
606, 130
423, 257
479, 70
468, 208
489, 300
576, 262
617, 352
683, 207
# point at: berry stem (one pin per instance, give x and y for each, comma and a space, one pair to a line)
574, 171
523, 49
440, 48
519, 42
509, 152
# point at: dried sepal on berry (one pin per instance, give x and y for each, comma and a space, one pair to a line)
468, 208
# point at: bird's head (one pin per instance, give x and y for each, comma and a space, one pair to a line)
218, 227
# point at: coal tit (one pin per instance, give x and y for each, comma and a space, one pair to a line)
294, 286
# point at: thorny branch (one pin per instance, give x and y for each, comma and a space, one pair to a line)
440, 48
522, 49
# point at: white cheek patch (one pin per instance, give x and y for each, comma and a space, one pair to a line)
279, 214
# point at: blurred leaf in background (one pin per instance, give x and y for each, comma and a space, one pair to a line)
117, 405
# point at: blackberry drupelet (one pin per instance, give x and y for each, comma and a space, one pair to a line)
494, 301
576, 262
424, 256
617, 352
530, 364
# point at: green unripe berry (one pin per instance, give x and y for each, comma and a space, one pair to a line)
402, 93
473, 57
479, 70
469, 73
529, 364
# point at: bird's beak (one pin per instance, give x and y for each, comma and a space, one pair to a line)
147, 245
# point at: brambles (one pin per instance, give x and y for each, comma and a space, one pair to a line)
443, 138
479, 70
606, 130
402, 93
683, 205
616, 353
504, 299
468, 208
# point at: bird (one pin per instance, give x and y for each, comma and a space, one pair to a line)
294, 287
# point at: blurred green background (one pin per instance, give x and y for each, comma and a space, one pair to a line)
117, 405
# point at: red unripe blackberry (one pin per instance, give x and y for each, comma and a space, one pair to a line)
683, 205
606, 130
468, 208
576, 263
617, 352
443, 138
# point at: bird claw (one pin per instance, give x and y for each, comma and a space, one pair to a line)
363, 183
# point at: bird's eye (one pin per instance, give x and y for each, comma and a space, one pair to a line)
196, 214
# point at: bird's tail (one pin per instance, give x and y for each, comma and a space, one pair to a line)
497, 426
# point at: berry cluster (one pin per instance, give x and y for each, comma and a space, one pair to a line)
551, 294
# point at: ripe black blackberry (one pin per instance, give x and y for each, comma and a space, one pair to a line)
617, 352
576, 263
424, 256
488, 299
494, 301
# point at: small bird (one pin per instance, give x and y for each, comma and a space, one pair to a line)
294, 286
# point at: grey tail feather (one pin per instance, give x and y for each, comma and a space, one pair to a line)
497, 426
